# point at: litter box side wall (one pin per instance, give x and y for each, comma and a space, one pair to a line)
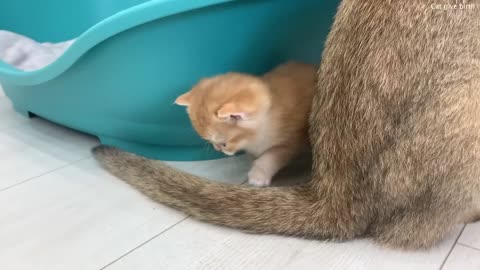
123, 89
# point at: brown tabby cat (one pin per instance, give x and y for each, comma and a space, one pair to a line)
395, 131
267, 116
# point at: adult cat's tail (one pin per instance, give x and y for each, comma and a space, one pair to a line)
278, 210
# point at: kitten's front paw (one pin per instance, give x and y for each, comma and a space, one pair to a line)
258, 177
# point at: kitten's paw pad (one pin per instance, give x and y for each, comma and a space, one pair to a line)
258, 178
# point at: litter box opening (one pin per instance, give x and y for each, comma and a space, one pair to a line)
57, 20
88, 31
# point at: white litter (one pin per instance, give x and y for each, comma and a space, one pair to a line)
26, 54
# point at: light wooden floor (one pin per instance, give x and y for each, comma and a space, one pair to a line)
59, 210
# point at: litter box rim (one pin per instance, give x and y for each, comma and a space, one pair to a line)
99, 32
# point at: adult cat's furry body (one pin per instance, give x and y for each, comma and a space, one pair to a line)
395, 132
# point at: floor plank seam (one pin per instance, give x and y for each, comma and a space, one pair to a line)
453, 246
45, 173
143, 243
464, 245
152, 238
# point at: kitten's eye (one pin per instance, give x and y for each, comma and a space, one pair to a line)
223, 144
235, 117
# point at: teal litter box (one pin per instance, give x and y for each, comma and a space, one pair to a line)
132, 58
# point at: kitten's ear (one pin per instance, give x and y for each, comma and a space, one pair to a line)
231, 112
184, 100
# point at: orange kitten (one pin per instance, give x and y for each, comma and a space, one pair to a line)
265, 116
